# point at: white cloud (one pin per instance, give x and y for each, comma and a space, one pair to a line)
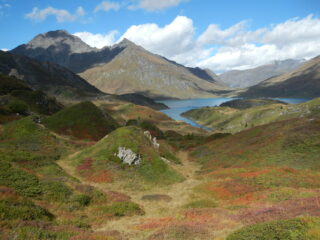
107, 6
97, 40
295, 38
4, 49
155, 5
61, 15
169, 40
220, 49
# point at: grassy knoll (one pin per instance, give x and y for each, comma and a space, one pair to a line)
100, 161
83, 121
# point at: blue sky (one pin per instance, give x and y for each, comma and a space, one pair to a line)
220, 35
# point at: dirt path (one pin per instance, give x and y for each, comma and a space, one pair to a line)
181, 194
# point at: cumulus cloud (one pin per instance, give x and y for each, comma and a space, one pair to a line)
294, 38
97, 40
61, 15
223, 49
4, 49
155, 5
107, 6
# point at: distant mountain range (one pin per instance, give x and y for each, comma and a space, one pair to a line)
303, 82
250, 77
126, 68
123, 68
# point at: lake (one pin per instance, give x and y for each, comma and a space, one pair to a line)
176, 107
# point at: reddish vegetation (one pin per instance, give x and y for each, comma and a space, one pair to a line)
220, 192
182, 230
230, 189
253, 174
97, 176
247, 199
284, 210
114, 235
100, 177
85, 165
149, 224
7, 192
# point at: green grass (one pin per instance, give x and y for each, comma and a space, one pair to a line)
38, 233
102, 155
83, 120
292, 143
293, 229
120, 209
203, 203
13, 209
24, 183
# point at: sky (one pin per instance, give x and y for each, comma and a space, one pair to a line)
220, 35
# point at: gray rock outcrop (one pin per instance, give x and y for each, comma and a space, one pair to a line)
152, 140
128, 156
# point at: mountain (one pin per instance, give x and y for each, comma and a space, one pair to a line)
136, 70
250, 77
304, 82
48, 77
66, 50
122, 68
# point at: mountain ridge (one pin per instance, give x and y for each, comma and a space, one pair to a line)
56, 46
253, 76
303, 82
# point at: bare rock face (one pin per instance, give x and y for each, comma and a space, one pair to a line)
128, 156
153, 140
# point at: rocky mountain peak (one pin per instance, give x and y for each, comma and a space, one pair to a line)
60, 39
127, 44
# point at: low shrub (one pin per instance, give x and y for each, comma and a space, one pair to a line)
13, 209
120, 209
293, 229
205, 203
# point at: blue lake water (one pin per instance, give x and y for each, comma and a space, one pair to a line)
176, 107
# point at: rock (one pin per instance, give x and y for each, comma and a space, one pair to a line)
156, 197
36, 119
128, 156
152, 140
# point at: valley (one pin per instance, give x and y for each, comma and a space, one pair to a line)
119, 143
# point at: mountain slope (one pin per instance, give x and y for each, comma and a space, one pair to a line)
122, 68
303, 82
48, 77
136, 70
233, 120
250, 77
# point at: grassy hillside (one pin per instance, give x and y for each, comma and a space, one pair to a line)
100, 163
83, 120
293, 143
227, 119
38, 199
